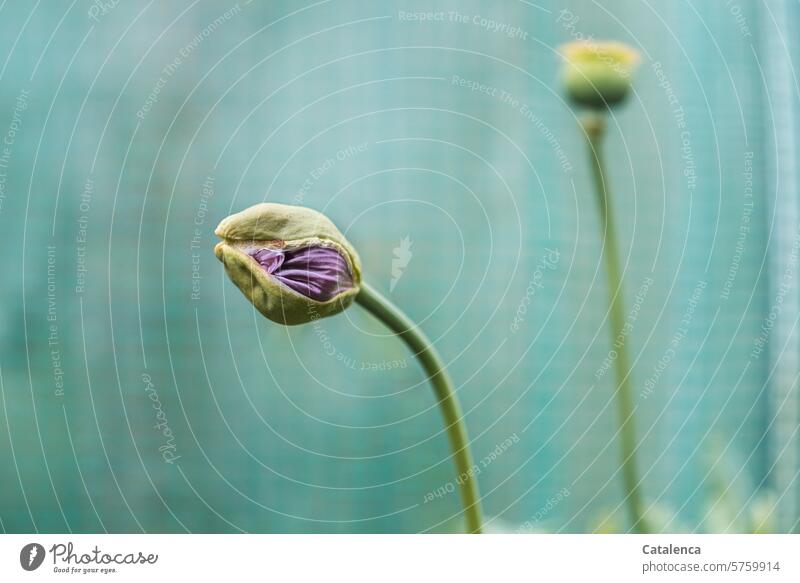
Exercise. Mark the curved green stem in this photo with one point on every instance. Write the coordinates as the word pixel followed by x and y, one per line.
pixel 409 332
pixel 594 126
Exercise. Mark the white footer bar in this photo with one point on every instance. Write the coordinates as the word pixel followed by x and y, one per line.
pixel 401 558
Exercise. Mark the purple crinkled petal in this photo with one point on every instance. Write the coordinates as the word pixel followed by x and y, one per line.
pixel 317 272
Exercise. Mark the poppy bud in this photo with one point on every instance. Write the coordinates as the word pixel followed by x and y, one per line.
pixel 597 74
pixel 291 262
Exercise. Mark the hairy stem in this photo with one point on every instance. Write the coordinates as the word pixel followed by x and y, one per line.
pixel 594 126
pixel 385 311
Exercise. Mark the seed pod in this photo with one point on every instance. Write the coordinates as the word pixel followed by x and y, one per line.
pixel 291 262
pixel 598 74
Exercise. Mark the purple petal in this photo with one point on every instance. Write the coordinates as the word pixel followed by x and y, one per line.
pixel 317 272
pixel 269 259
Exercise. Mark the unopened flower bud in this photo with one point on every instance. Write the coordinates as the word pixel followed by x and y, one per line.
pixel 598 74
pixel 291 262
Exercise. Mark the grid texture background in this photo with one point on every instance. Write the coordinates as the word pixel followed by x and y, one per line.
pixel 280 430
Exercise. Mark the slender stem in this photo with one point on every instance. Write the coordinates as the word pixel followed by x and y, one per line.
pixel 594 126
pixel 409 332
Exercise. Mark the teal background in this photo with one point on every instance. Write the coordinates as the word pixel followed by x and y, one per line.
pixel 280 430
